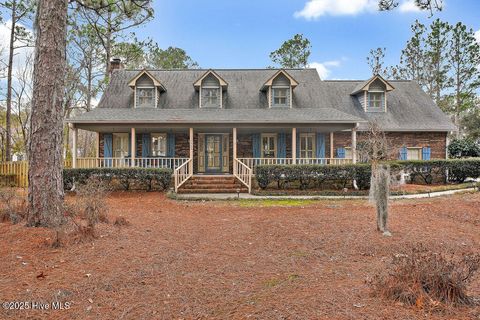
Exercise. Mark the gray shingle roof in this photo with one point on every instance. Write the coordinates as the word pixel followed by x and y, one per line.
pixel 151 115
pixel 409 108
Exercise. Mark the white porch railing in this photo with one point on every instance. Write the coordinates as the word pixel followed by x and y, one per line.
pixel 182 174
pixel 171 163
pixel 323 160
pixel 243 173
pixel 103 162
pixel 253 162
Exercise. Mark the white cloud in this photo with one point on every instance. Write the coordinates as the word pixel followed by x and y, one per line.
pixel 409 6
pixel 324 68
pixel 314 9
pixel 477 36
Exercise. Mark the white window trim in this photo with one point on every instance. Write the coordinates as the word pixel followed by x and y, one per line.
pixel 419 149
pixel 275 147
pixel 271 98
pixel 210 87
pixel 155 95
pixel 375 109
pixel 156 134
pixel 314 147
pixel 122 136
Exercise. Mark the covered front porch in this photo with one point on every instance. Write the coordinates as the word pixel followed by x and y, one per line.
pixel 217 150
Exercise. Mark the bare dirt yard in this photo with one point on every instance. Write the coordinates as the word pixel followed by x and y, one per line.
pixel 232 260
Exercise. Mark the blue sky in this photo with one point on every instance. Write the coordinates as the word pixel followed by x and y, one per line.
pixel 241 34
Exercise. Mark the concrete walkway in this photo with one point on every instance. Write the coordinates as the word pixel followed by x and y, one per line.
pixel 233 196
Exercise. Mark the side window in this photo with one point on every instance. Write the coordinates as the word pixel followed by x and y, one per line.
pixel 269 145
pixel 159 144
pixel 307 145
pixel 414 153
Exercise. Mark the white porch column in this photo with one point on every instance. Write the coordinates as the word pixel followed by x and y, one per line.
pixel 331 145
pixel 354 145
pixel 234 143
pixel 191 150
pixel 133 147
pixel 74 147
pixel 294 145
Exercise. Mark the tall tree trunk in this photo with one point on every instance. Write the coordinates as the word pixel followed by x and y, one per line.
pixel 8 115
pixel 108 46
pixel 45 174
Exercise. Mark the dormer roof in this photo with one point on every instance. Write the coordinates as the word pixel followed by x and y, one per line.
pixel 198 82
pixel 156 82
pixel 269 82
pixel 365 86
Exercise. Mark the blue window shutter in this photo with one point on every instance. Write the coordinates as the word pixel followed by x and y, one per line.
pixel 426 153
pixel 170 145
pixel 256 145
pixel 320 145
pixel 341 153
pixel 146 142
pixel 403 153
pixel 107 145
pixel 282 145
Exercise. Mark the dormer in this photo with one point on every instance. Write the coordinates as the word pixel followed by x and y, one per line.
pixel 279 90
pixel 372 94
pixel 147 90
pixel 210 87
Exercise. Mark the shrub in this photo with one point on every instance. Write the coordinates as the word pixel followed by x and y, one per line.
pixel 463 148
pixel 425 278
pixel 147 177
pixel 13 206
pixel 308 176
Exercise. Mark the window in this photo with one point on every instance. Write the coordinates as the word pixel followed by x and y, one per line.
pixel 145 97
pixel 307 145
pixel 414 153
pixel 120 145
pixel 280 97
pixel 159 144
pixel 375 100
pixel 210 97
pixel 269 146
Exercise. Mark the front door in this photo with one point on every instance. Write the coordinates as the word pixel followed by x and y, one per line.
pixel 213 153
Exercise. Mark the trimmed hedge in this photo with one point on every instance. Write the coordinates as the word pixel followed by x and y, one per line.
pixel 307 176
pixel 147 177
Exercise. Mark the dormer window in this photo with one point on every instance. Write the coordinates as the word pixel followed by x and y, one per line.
pixel 147 90
pixel 372 94
pixel 210 87
pixel 280 97
pixel 279 89
pixel 375 101
pixel 145 97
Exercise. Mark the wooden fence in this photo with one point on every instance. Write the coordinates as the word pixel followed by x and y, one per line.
pixel 15 173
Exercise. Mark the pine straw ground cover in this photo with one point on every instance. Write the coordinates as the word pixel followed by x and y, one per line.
pixel 190 260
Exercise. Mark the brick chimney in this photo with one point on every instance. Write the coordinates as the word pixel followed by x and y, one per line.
pixel 115 64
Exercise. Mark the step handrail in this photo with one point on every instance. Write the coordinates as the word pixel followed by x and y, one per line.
pixel 182 174
pixel 243 173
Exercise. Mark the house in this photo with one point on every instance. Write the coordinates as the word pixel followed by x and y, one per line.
pixel 225 122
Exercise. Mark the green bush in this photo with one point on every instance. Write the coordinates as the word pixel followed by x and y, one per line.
pixel 463 148
pixel 309 176
pixel 147 177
